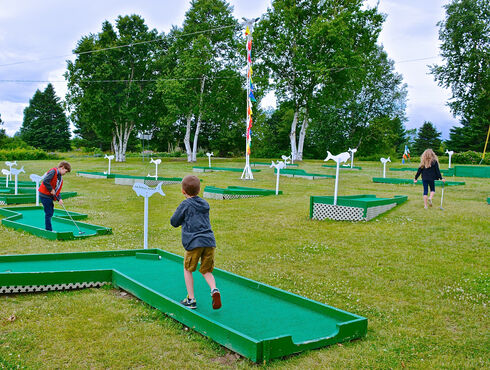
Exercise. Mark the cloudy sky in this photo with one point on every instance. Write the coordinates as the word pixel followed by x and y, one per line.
pixel 37 37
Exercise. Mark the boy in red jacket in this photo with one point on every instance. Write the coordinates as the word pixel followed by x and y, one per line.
pixel 50 190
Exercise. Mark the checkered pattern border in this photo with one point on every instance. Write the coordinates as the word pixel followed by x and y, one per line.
pixel 221 196
pixel 12 289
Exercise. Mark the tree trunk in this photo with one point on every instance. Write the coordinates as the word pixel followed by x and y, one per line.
pixel 120 140
pixel 292 135
pixel 198 125
pixel 302 135
pixel 187 138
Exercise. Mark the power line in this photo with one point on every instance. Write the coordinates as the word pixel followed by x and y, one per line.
pixel 113 47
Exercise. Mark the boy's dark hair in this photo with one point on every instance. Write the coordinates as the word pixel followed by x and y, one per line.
pixel 65 165
pixel 191 185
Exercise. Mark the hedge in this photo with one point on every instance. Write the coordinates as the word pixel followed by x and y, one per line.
pixel 22 154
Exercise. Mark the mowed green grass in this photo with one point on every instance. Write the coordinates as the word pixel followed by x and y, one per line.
pixel 421 277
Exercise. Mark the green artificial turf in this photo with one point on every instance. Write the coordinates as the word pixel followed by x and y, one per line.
pixel 421 277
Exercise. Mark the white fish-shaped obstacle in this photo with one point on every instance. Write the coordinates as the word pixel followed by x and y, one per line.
pixel 278 166
pixel 157 162
pixel 209 158
pixel 145 191
pixel 11 164
pixel 37 179
pixel 339 158
pixel 450 153
pixel 384 161
pixel 352 151
pixel 7 174
pixel 15 172
pixel 110 158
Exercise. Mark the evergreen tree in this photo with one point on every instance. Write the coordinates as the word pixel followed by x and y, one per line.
pixel 465 40
pixel 45 124
pixel 427 138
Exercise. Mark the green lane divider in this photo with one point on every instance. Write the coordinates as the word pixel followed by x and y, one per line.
pixel 131 179
pixel 95 175
pixel 346 167
pixel 257 321
pixel 31 220
pixel 253 164
pixel 448 172
pixel 217 169
pixel 472 171
pixel 302 174
pixel 27 195
pixel 20 184
pixel 388 180
pixel 363 207
pixel 234 192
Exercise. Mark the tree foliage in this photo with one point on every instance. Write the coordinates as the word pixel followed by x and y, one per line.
pixel 427 138
pixel 465 47
pixel 45 124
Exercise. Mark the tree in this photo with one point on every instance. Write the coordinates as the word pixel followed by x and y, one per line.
pixel 111 89
pixel 2 130
pixel 201 86
pixel 427 138
pixel 383 137
pixel 465 37
pixel 304 49
pixel 45 124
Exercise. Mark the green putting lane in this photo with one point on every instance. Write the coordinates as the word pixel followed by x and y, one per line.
pixel 256 320
pixel 31 219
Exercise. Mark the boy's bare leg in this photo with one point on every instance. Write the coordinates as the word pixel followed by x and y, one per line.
pixel 189 283
pixel 208 276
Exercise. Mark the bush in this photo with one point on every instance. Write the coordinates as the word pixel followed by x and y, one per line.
pixel 23 154
pixel 469 157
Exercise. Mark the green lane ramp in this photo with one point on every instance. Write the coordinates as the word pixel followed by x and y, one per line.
pixel 257 321
pixel 95 175
pixel 346 167
pixel 388 180
pixel 217 169
pixel 363 207
pixel 27 195
pixel 447 172
pixel 148 180
pixel 235 192
pixel 302 174
pixel 31 220
pixel 254 164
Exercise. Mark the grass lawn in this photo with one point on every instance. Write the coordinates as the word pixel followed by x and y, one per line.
pixel 421 277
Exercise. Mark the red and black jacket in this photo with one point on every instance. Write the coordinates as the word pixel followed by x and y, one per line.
pixel 52 180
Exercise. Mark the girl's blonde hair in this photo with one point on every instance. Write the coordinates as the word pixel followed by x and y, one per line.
pixel 427 158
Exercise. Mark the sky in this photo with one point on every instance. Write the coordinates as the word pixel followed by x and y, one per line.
pixel 37 38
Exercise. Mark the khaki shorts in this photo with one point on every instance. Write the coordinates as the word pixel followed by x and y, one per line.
pixel 205 254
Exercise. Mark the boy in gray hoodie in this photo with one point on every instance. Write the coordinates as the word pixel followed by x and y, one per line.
pixel 197 239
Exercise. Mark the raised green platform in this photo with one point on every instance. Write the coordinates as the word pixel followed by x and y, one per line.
pixel 95 175
pixel 389 180
pixel 31 219
pixel 346 167
pixel 148 180
pixel 217 169
pixel 472 171
pixel 303 174
pixel 234 192
pixel 447 172
pixel 257 321
pixel 254 164
pixel 363 207
pixel 27 195
pixel 20 184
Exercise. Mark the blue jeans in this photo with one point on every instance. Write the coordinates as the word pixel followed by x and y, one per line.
pixel 48 211
pixel 427 184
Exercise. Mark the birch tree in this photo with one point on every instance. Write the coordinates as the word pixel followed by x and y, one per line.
pixel 110 89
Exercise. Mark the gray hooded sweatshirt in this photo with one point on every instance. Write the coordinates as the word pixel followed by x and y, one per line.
pixel 193 215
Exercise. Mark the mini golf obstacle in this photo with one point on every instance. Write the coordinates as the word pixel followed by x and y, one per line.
pixel 448 172
pixel 256 164
pixel 352 207
pixel 343 167
pixel 235 192
pixel 218 169
pixel 302 174
pixel 25 196
pixel 31 220
pixel 147 180
pixel 387 180
pixel 472 171
pixel 257 321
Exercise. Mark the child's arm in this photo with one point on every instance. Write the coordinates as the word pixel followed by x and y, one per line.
pixel 419 171
pixel 178 216
pixel 438 172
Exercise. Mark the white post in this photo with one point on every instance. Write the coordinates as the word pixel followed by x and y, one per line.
pixel 278 166
pixel 384 160
pixel 16 174
pixel 450 153
pixel 109 157
pixel 342 157
pixel 37 179
pixel 335 192
pixel 11 164
pixel 145 191
pixel 7 174
pixel 352 151
pixel 209 158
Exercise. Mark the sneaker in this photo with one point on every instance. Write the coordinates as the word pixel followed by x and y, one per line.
pixel 425 207
pixel 216 298
pixel 430 202
pixel 190 303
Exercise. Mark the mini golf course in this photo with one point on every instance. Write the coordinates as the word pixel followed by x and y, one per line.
pixel 363 207
pixel 31 220
pixel 346 167
pixel 25 195
pixel 387 180
pixel 217 169
pixel 303 174
pixel 258 321
pixel 235 192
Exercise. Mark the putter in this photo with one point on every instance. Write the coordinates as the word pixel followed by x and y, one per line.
pixel 71 218
pixel 442 197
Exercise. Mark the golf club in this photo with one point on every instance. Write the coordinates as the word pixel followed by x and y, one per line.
pixel 79 231
pixel 442 196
